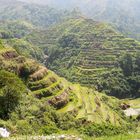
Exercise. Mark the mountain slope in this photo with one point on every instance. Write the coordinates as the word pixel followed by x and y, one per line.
pixel 123 14
pixel 13 33
pixel 86 51
pixel 45 88
pixel 15 29
pixel 18 19
pixel 42 16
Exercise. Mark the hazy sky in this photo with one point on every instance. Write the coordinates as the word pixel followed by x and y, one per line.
pixel 59 1
pixel 93 4
pixel 81 2
pixel 35 1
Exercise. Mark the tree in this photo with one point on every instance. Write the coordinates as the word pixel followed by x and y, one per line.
pixel 126 63
pixel 11 89
pixel 138 118
pixel 137 62
pixel 114 83
pixel 70 41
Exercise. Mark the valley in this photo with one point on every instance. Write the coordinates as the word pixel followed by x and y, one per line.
pixel 87 52
pixel 46 88
pixel 65 75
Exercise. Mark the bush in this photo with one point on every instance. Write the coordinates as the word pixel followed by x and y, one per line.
pixel 102 130
pixel 47 130
pixel 24 127
pixel 70 41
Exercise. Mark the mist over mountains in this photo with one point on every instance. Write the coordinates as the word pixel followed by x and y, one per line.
pixel 89 4
pixel 97 9
pixel 125 15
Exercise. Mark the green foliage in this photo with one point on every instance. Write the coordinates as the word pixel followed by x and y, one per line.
pixel 67 121
pixel 15 29
pixel 5 35
pixel 138 118
pixel 69 41
pixel 11 91
pixel 29 114
pixel 24 127
pixel 134 82
pixel 87 52
pixel 130 66
pixel 32 116
pixel 126 63
pixel 25 48
pixel 7 124
pixel 122 83
pixel 48 130
pixel 35 14
pixel 137 62
pixel 54 53
pixel 102 130
pixel 114 83
pixel 1 44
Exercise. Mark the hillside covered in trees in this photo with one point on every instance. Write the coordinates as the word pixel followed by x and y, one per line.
pixel 124 15
pixel 33 96
pixel 69 72
pixel 92 53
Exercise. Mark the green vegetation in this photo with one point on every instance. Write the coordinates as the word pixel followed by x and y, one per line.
pixel 45 103
pixel 13 32
pixel 9 93
pixel 93 54
pixel 38 15
pixel 102 130
pixel 96 59
pixel 15 29
pixel 121 137
pixel 25 48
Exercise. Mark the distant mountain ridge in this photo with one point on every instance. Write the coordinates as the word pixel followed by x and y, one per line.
pixel 38 15
pixel 125 15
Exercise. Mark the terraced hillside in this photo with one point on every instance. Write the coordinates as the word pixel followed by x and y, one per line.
pixel 40 81
pixel 83 50
pixel 13 33
pixel 45 86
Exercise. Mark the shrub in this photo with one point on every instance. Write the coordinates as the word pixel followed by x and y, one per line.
pixel 47 130
pixel 24 127
pixel 69 40
pixel 102 130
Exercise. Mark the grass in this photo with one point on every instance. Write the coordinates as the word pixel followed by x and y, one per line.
pixel 84 102
pixel 121 137
pixel 135 103
pixel 117 137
